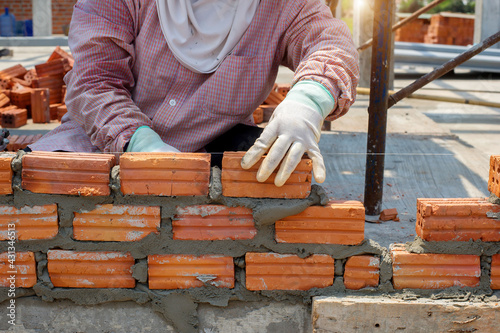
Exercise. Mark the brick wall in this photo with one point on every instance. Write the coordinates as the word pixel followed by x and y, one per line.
pixel 144 221
pixel 62 10
pixel 20 8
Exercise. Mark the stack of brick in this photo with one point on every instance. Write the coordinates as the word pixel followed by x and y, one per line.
pixel 452 220
pixel 413 32
pixel 37 93
pixel 451 29
pixel 167 221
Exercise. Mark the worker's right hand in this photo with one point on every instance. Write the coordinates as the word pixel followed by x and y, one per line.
pixel 147 140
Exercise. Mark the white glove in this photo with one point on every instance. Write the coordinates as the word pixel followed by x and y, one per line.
pixel 294 129
pixel 147 140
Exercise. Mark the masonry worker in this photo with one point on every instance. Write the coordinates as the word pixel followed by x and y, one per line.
pixel 179 75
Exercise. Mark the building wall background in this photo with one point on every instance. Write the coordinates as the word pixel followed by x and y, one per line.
pixel 62 10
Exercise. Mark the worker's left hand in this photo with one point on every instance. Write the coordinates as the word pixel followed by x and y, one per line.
pixel 294 129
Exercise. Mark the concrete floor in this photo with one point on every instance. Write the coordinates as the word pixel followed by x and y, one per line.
pixel 434 149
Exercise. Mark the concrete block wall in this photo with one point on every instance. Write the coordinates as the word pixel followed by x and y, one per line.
pixel 168 229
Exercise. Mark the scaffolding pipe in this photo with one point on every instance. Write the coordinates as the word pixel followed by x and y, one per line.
pixel 405 21
pixel 443 69
pixel 377 110
pixel 448 99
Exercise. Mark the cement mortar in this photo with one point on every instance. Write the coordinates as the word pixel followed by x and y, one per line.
pixel 477 248
pixel 494 199
pixel 179 307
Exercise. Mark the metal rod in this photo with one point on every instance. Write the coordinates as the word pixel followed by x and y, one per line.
pixel 443 69
pixel 379 93
pixel 459 100
pixel 404 22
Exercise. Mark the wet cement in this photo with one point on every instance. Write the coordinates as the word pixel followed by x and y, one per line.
pixel 178 307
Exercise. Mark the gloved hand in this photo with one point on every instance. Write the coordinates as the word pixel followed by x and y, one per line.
pixel 147 140
pixel 294 129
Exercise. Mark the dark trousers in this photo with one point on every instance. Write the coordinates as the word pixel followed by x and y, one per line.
pixel 239 138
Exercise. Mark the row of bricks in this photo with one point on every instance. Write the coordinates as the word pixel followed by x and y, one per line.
pixel 264 271
pixel 161 174
pixel 339 222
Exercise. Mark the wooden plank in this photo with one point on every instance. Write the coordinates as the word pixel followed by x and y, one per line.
pixel 363 314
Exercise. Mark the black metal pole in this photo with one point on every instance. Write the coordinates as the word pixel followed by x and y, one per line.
pixel 379 94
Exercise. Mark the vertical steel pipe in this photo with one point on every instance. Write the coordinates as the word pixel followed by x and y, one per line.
pixel 377 110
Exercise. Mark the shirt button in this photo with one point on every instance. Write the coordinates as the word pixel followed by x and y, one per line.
pixel 172 102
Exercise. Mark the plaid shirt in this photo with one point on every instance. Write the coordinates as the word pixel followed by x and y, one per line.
pixel 125 76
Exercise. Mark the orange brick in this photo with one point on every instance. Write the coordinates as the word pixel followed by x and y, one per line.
pixel 433 271
pixel 172 271
pixel 8 108
pixel 361 272
pixel 53 110
pixel 213 222
pixel 258 115
pixel 53 68
pixel 457 220
pixel 389 214
pixel 61 54
pixel 61 111
pixel 14 118
pixel 71 269
pixel 30 76
pixel 238 182
pixel 23 83
pixel 273 271
pixel 274 98
pixel 37 222
pixel 495 272
pixel 4 100
pixel 63 93
pixel 116 223
pixel 15 71
pixel 40 108
pixel 283 89
pixel 165 174
pixel 24 269
pixel 54 84
pixel 21 98
pixel 67 173
pixel 340 222
pixel 494 180
pixel 6 173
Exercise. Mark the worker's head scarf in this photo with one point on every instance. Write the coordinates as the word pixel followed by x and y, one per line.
pixel 201 33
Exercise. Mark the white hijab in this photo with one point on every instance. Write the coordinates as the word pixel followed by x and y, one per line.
pixel 201 33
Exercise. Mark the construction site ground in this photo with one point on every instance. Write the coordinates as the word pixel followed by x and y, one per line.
pixel 434 150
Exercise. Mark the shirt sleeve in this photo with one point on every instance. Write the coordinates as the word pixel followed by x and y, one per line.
pixel 99 86
pixel 319 47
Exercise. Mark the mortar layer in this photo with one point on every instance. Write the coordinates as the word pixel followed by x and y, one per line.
pixel 452 247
